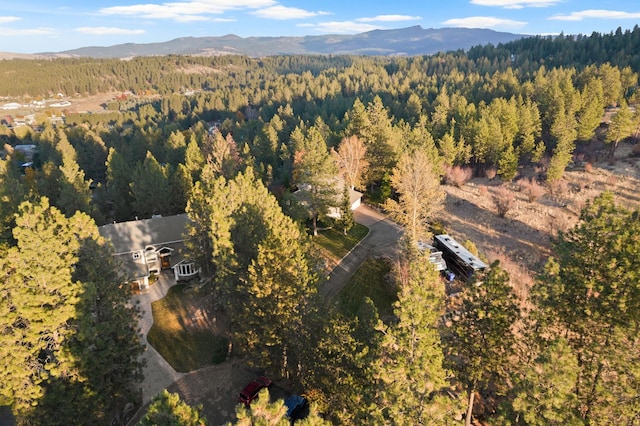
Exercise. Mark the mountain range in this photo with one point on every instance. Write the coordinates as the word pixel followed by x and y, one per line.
pixel 408 41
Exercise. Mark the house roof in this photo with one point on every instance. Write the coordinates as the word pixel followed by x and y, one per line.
pixel 135 235
pixel 354 195
pixel 131 269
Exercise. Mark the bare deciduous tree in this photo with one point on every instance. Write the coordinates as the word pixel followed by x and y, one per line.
pixel 350 160
pixel 420 195
pixel 504 200
pixel 532 189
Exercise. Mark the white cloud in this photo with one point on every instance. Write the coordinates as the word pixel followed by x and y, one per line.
pixel 516 4
pixel 598 14
pixel 284 12
pixel 342 27
pixel 7 19
pixel 484 22
pixel 40 31
pixel 389 18
pixel 184 11
pixel 108 31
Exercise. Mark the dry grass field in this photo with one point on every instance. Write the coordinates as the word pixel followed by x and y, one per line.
pixel 522 239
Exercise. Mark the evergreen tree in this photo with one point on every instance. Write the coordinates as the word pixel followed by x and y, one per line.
pixel 176 148
pixel 546 393
pixel 591 293
pixel 75 194
pixel 447 148
pixel 479 345
pixel 381 140
pixel 508 164
pixel 339 362
pixel 210 209
pixel 419 136
pixel 315 175
pixel 564 130
pixel 591 109
pixel 269 305
pixel 92 153
pixel 410 368
pixel 259 260
pixel 372 125
pixel 167 409
pixel 54 323
pixel 194 160
pixel 440 116
pixel 149 188
pixel 346 220
pixel 529 128
pixel 119 177
pixel 11 195
pixel 357 119
pixel 611 83
pixel 104 350
pixel 264 412
pixel 620 128
pixel 180 186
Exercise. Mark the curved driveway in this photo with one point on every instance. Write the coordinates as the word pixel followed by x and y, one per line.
pixel 382 240
pixel 158 374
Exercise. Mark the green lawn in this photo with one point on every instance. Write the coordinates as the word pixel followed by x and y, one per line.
pixel 336 243
pixel 175 335
pixel 369 281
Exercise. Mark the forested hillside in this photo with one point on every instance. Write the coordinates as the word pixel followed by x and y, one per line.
pixel 620 48
pixel 229 139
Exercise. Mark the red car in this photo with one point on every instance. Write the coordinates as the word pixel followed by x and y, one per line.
pixel 250 392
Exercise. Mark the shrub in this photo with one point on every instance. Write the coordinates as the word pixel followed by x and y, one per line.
pixel 483 190
pixel 558 187
pixel 520 278
pixel 588 167
pixel 532 189
pixel 612 180
pixel 504 200
pixel 471 246
pixel 437 228
pixel 458 176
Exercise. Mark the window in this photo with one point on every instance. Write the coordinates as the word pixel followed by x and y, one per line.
pixel 150 254
pixel 187 269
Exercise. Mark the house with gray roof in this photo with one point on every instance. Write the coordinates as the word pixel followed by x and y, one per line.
pixel 147 246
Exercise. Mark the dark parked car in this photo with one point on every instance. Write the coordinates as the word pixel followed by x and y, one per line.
pixel 296 405
pixel 250 392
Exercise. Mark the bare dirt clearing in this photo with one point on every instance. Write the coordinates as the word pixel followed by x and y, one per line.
pixel 524 235
pixel 92 103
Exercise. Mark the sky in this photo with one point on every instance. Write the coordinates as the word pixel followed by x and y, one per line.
pixel 34 26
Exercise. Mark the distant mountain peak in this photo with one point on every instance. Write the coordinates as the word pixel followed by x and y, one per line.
pixel 413 40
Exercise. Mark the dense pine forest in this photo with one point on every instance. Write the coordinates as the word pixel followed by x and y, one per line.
pixel 229 139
